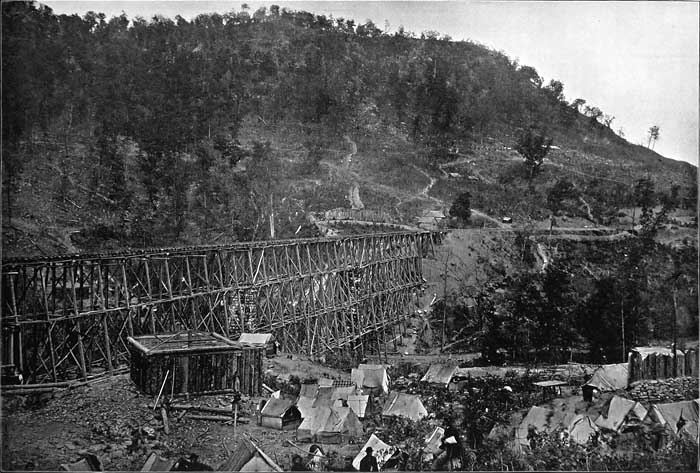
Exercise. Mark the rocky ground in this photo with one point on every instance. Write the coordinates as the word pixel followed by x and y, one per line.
pixel 105 419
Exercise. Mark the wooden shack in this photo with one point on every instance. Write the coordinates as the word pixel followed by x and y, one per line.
pixel 657 363
pixel 194 363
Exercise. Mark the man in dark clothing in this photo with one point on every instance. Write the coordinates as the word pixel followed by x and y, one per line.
pixel 451 446
pixel 369 462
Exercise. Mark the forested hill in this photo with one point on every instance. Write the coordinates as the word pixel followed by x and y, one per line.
pixel 140 132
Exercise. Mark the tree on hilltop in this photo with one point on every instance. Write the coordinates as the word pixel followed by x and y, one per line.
pixel 653 136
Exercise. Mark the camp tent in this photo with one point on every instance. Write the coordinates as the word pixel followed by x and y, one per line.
pixel 314 419
pixel 582 428
pixel 440 373
pixel 382 452
pixel 372 377
pixel 680 418
pixel 280 414
pixel 309 390
pixel 247 456
pixel 329 425
pixel 342 424
pixel 544 420
pixel 404 405
pixel 324 397
pixel 359 403
pixel 607 378
pixel 305 404
pixel 621 412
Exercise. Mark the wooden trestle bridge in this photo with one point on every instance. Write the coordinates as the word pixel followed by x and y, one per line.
pixel 67 317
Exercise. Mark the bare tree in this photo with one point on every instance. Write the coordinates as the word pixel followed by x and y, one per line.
pixel 653 136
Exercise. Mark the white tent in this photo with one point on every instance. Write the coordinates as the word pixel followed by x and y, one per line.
pixel 382 452
pixel 621 411
pixel 609 377
pixel 373 377
pixel 305 404
pixel 405 405
pixel 681 418
pixel 440 373
pixel 358 403
pixel 581 428
pixel 329 425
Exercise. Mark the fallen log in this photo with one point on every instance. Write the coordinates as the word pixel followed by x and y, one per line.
pixel 24 392
pixel 215 418
pixel 191 407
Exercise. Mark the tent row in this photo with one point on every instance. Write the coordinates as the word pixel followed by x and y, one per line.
pixel 622 415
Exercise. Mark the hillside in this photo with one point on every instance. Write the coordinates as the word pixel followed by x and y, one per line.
pixel 130 132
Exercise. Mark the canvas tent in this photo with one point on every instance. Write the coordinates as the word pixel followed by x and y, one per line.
pixel 280 414
pixel 341 425
pixel 247 456
pixel 404 405
pixel 329 425
pixel 543 420
pixel 609 377
pixel 372 377
pixel 305 405
pixel 382 452
pixel 582 428
pixel 440 373
pixel 309 390
pixel 621 412
pixel 359 403
pixel 680 418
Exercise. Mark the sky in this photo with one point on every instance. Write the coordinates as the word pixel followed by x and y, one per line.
pixel 635 60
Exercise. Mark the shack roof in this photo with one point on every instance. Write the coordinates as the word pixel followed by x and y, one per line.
pixel 646 351
pixel 255 338
pixel 610 377
pixel 277 407
pixel 182 342
pixel 440 373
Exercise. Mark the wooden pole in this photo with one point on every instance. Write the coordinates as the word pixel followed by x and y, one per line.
pixel 81 348
pixel 622 320
pixel 675 332
pixel 49 326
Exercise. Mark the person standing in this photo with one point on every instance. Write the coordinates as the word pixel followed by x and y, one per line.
pixel 369 462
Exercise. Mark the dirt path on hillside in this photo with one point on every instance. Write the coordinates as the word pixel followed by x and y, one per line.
pixel 481 214
pixel 354 191
pixel 425 191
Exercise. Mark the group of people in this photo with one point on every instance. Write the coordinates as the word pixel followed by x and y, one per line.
pixel 449 459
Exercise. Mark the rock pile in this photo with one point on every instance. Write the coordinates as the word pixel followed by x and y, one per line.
pixel 664 390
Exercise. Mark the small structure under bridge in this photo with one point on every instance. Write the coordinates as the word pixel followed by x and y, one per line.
pixel 69 316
